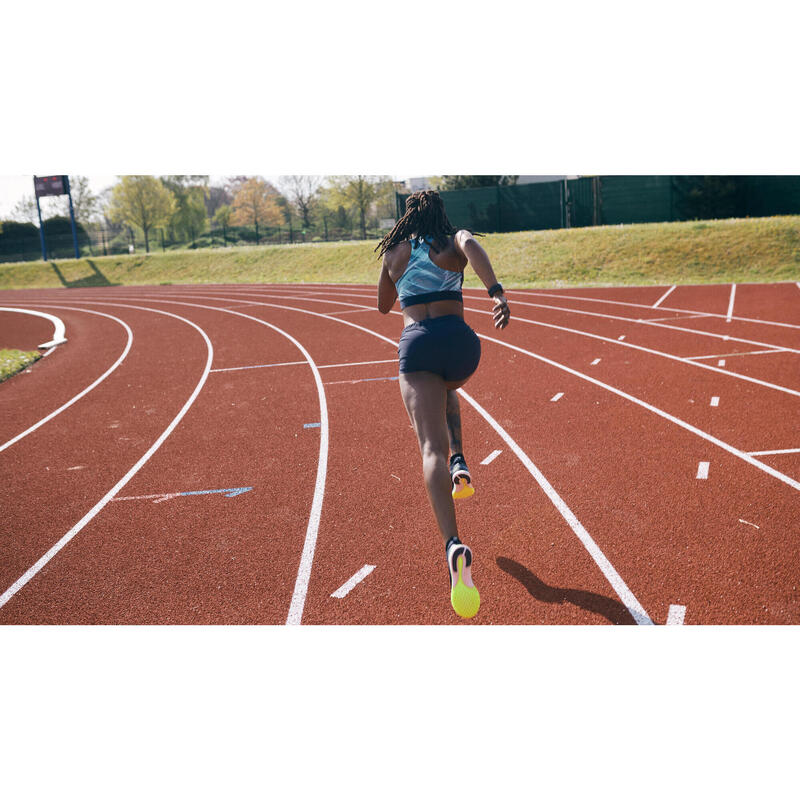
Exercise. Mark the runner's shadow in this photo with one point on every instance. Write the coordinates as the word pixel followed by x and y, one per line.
pixel 95 279
pixel 614 611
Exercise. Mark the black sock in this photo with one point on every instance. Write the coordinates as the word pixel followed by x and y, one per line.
pixel 451 540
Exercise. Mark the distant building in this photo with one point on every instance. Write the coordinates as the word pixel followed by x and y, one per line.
pixel 417 184
pixel 541 178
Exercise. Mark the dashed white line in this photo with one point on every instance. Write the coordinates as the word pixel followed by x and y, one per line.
pixel 621 338
pixel 676 615
pixel 748 353
pixel 556 397
pixel 714 401
pixel 595 362
pixel 750 523
pixel 730 304
pixel 349 585
pixel 702 470
pixel 721 362
pixel 663 297
pixel 491 457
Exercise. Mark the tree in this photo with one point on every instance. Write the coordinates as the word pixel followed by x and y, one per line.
pixel 223 217
pixel 189 217
pixel 216 197
pixel 450 182
pixel 254 201
pixel 302 191
pixel 25 210
pixel 144 201
pixel 85 204
pixel 353 192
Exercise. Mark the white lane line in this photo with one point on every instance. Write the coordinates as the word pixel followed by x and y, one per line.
pixel 89 388
pixel 312 530
pixel 359 363
pixel 621 338
pixel 750 523
pixel 714 401
pixel 47 352
pixel 596 361
pixel 491 457
pixel 59 335
pixel 257 366
pixel 673 318
pixel 623 592
pixel 353 311
pixel 98 507
pixel 675 420
pixel 702 470
pixel 349 585
pixel 676 615
pixel 730 304
pixel 556 397
pixel 663 297
pixel 721 362
pixel 749 353
pixel 773 452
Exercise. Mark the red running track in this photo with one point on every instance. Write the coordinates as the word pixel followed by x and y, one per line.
pixel 648 466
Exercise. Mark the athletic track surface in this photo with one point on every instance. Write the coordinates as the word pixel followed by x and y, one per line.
pixel 635 453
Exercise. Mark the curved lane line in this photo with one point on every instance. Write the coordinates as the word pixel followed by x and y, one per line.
pixel 60 329
pixel 89 387
pixel 617 583
pixel 677 421
pixel 98 507
pixel 309 545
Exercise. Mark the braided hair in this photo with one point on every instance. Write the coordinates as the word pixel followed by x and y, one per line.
pixel 425 216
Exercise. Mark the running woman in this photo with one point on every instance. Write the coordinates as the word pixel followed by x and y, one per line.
pixel 424 258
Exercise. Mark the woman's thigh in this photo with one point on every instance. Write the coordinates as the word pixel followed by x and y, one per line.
pixel 425 398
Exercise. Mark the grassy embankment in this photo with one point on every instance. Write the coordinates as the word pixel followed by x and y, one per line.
pixel 740 250
pixel 14 361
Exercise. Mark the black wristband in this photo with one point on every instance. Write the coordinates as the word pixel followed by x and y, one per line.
pixel 496 289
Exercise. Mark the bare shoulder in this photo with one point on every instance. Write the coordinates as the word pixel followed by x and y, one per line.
pixel 396 259
pixel 462 237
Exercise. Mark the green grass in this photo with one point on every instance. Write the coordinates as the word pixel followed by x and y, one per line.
pixel 712 251
pixel 14 361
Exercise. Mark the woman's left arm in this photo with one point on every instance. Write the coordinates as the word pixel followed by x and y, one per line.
pixel 387 291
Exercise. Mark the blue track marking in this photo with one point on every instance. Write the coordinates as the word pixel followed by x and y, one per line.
pixel 226 492
pixel 312 425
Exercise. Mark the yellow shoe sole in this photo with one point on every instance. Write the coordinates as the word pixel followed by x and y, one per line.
pixel 464 596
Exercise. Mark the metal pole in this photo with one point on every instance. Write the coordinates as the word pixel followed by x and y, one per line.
pixel 41 224
pixel 72 218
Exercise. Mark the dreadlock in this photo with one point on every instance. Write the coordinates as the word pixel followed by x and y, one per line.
pixel 425 216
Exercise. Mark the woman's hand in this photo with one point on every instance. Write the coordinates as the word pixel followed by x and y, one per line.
pixel 501 312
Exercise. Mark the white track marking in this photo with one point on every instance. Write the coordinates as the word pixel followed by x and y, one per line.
pixel 89 388
pixel 312 530
pixel 663 297
pixel 491 457
pixel 257 366
pixel 98 507
pixel 621 338
pixel 673 318
pixel 59 335
pixel 360 363
pixel 676 615
pixel 595 362
pixel 748 353
pixel 556 397
pixel 730 304
pixel 623 592
pixel 353 311
pixel 714 401
pixel 346 587
pixel 750 523
pixel 773 452
pixel 721 362
pixel 702 470
pixel 691 428
pixel 47 353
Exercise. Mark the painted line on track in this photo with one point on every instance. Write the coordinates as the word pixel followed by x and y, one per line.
pixel 663 297
pixel 491 457
pixel 714 401
pixel 730 304
pixel 98 507
pixel 59 334
pixel 623 592
pixel 774 452
pixel 595 362
pixel 349 585
pixel 363 380
pixel 721 362
pixel 673 318
pixel 748 353
pixel 702 470
pixel 89 388
pixel 296 363
pixel 556 397
pixel 676 615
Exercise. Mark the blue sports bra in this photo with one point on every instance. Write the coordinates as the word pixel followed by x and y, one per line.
pixel 423 281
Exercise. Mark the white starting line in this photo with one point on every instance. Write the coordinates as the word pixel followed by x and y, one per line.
pixel 730 304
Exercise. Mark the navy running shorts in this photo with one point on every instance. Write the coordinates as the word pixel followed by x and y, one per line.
pixel 444 345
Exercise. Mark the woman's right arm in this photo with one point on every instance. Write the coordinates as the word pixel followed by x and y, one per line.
pixel 479 259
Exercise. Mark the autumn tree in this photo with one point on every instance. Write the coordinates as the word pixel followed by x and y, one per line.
pixel 254 201
pixel 144 201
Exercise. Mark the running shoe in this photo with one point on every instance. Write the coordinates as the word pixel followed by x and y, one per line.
pixel 464 596
pixel 459 474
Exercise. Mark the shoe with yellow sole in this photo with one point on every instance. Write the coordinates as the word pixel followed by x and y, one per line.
pixel 464 596
pixel 459 474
